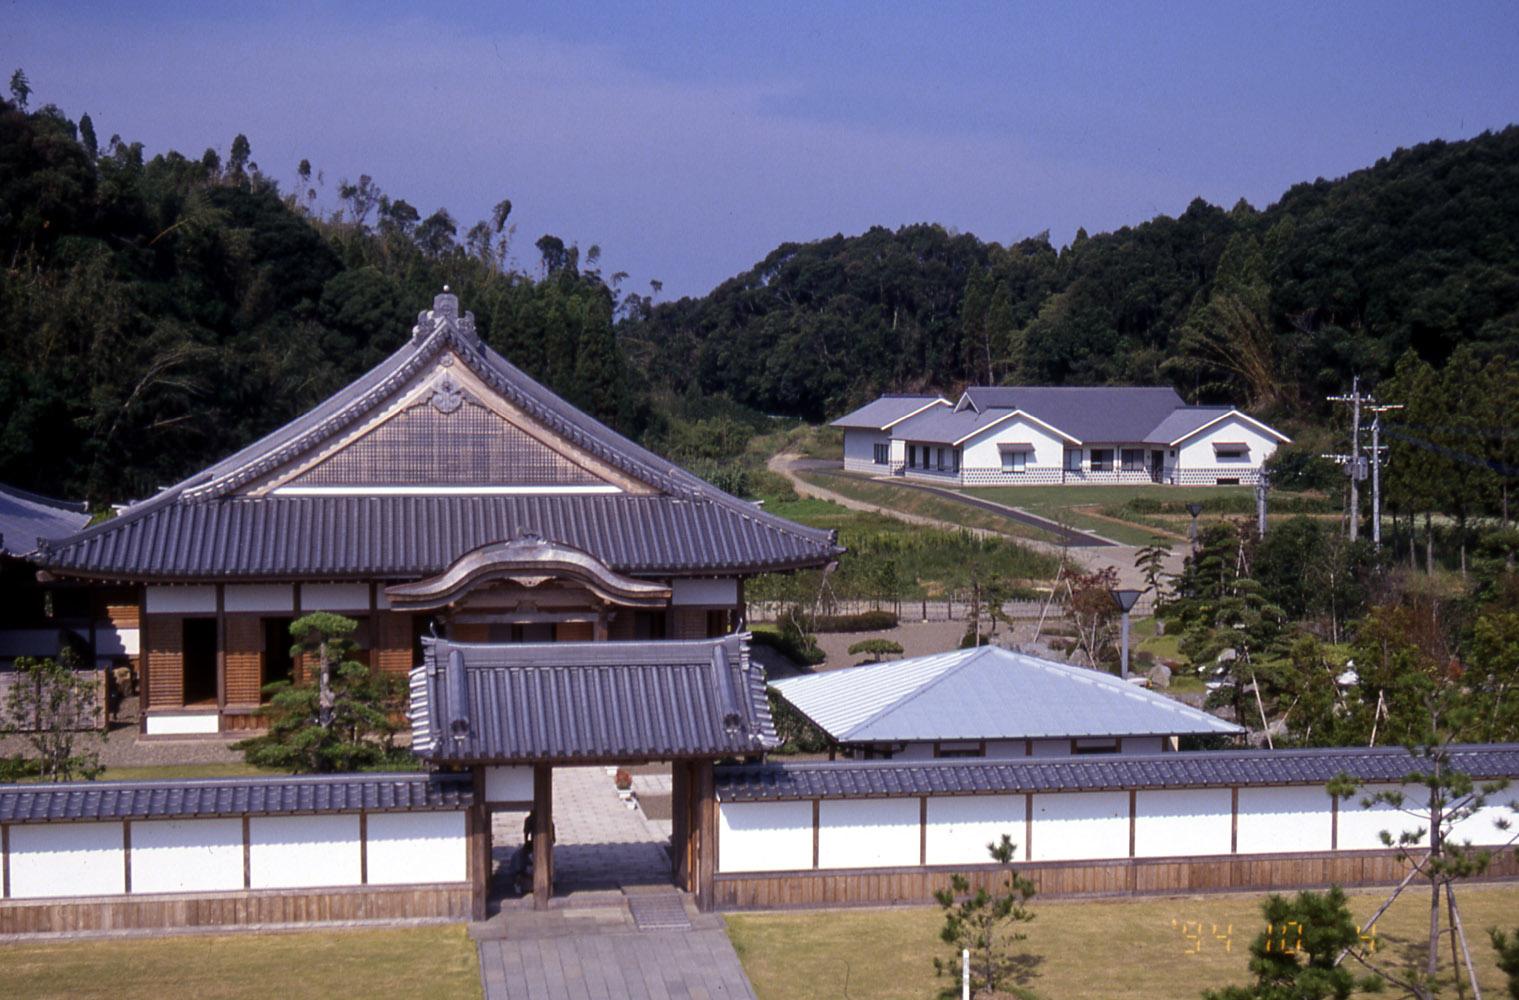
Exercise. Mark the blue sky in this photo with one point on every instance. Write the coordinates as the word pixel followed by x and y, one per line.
pixel 690 140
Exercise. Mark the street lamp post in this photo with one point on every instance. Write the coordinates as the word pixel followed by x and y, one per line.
pixel 1194 509
pixel 1125 599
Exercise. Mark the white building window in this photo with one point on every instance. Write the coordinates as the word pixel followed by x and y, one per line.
pixel 1133 459
pixel 1102 459
pixel 1231 452
pixel 1014 460
pixel 882 454
pixel 1073 460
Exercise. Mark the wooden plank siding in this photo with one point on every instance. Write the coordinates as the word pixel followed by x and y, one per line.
pixel 244 659
pixel 1066 879
pixel 164 645
pixel 393 647
pixel 260 907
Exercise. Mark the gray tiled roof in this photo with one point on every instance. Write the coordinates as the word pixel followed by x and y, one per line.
pixel 201 528
pixel 210 797
pixel 868 779
pixel 589 701
pixel 986 693
pixel 881 413
pixel 397 537
pixel 27 517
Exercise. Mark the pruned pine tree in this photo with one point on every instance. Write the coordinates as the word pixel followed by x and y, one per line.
pixel 986 924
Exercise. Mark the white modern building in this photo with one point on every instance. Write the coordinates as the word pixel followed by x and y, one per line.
pixel 1041 435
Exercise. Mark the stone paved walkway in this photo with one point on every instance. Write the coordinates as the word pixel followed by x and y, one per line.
pixel 601 843
pixel 698 964
pixel 588 946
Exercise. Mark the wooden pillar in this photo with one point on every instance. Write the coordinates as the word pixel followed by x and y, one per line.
pixel 221 647
pixel 543 835
pixel 706 842
pixel 478 834
pixel 680 823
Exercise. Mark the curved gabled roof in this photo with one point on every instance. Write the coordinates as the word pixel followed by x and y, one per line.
pixel 26 520
pixel 216 524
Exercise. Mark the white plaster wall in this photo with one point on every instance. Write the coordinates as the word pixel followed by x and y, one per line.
pixel 293 851
pixel 196 600
pixel 1144 744
pixel 1479 828
pixel 191 855
pixel 334 597
pixel 509 784
pixel 1071 826
pixel 67 859
pixel 1196 453
pixel 868 833
pixel 764 836
pixel 960 827
pixel 859 445
pixel 416 847
pixel 915 751
pixel 197 723
pixel 113 641
pixel 1358 827
pixel 1182 822
pixel 1052 748
pixel 269 597
pixel 982 451
pixel 1273 820
pixel 722 593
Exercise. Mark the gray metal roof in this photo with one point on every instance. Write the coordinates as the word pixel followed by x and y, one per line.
pixel 882 413
pixel 26 517
pixel 942 425
pixel 1093 414
pixel 872 779
pixel 203 528
pixel 1190 419
pixel 589 701
pixel 986 693
pixel 210 797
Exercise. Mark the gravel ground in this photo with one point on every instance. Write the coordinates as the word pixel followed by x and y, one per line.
pixel 123 749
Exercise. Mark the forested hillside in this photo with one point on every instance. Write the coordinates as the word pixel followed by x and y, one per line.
pixel 1268 308
pixel 159 310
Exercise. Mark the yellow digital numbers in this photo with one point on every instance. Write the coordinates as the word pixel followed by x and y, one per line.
pixel 1285 938
pixel 1192 932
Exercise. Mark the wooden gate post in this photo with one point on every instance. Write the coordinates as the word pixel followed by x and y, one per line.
pixel 543 835
pixel 706 833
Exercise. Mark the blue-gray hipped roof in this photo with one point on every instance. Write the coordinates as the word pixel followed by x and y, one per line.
pixel 27 519
pixel 880 414
pixel 1108 772
pixel 602 701
pixel 204 798
pixel 1088 414
pixel 987 693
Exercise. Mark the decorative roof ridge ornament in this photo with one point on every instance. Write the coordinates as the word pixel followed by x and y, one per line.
pixel 444 315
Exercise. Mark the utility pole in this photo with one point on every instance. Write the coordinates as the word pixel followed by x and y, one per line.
pixel 1262 484
pixel 1376 470
pixel 1355 465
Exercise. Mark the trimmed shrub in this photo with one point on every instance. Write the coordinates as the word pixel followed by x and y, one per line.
pixel 865 621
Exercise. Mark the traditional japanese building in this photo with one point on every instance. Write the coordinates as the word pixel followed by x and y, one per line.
pixel 444 492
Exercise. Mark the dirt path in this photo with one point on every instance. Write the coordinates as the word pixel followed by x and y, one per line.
pixel 1090 558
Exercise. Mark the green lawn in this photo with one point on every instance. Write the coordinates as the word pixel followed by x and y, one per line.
pixel 1061 503
pixel 911 501
pixel 1146 949
pixel 315 964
